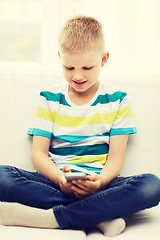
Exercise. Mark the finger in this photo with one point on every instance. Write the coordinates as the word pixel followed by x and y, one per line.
pixel 93 177
pixel 79 191
pixel 65 183
pixel 82 185
pixel 89 186
pixel 78 195
pixel 66 168
pixel 68 188
pixel 86 184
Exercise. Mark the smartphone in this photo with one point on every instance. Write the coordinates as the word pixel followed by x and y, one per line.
pixel 75 175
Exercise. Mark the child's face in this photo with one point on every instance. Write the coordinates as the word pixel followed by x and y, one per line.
pixel 81 70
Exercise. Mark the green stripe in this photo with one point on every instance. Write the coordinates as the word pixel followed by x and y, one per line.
pixel 39 132
pixel 119 131
pixel 97 149
pixel 103 99
pixel 83 166
pixel 73 139
pixel 55 97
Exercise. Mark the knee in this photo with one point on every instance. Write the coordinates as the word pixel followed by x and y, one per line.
pixel 151 187
pixel 4 169
pixel 5 180
pixel 4 175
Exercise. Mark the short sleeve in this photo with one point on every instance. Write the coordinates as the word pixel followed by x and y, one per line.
pixel 42 124
pixel 124 122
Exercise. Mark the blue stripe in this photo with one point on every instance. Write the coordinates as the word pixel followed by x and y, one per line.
pixel 39 132
pixel 119 131
pixel 73 139
pixel 87 167
pixel 97 149
pixel 103 99
pixel 92 170
pixel 83 166
pixel 55 97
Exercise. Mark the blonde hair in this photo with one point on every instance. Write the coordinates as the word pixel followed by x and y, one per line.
pixel 80 34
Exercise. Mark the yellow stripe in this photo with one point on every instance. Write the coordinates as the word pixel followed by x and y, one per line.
pixel 96 118
pixel 73 122
pixel 124 112
pixel 90 159
pixel 44 113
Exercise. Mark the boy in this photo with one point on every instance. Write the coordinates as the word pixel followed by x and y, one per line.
pixel 82 127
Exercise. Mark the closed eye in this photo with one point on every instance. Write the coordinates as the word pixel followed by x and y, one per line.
pixel 87 68
pixel 69 68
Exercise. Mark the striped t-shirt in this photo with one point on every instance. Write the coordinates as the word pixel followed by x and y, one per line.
pixel 80 134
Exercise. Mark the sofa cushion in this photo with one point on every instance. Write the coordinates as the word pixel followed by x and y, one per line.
pixel 22 233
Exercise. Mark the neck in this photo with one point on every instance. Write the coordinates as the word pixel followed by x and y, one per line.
pixel 81 98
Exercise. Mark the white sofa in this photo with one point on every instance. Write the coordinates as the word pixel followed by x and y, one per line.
pixel 18 99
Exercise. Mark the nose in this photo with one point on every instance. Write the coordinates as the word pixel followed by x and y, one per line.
pixel 78 76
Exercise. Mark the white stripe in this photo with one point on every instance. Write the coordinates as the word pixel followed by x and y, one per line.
pixel 65 160
pixel 99 108
pixel 74 167
pixel 43 103
pixel 126 122
pixel 42 124
pixel 83 130
pixel 61 159
pixel 57 143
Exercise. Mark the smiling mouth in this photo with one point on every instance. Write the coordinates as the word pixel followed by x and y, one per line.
pixel 79 83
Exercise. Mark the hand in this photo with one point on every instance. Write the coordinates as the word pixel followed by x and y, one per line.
pixel 83 188
pixel 66 186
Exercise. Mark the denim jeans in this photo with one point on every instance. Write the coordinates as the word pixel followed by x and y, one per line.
pixel 122 197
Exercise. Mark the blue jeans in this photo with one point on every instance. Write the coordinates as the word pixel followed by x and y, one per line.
pixel 122 197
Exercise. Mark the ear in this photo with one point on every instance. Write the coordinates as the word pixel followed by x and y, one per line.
pixel 104 58
pixel 59 55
